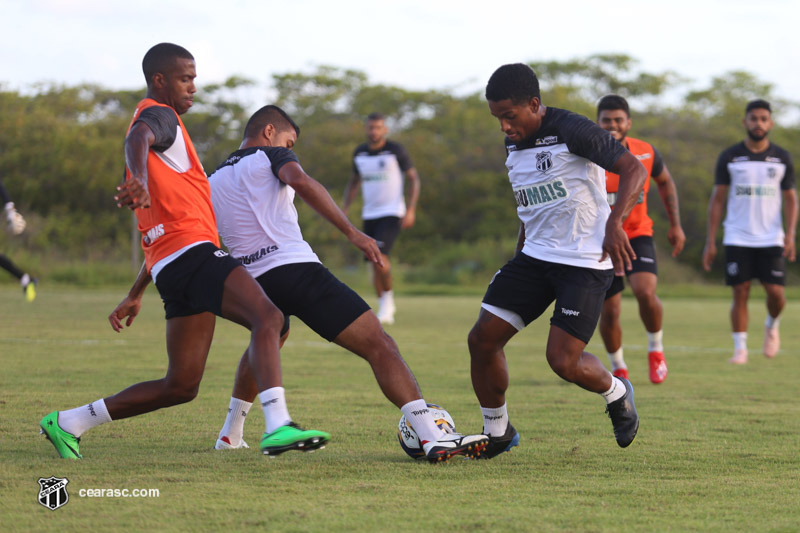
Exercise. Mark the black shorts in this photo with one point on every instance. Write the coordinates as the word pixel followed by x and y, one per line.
pixel 645 261
pixel 384 230
pixel 527 286
pixel 193 283
pixel 744 263
pixel 314 295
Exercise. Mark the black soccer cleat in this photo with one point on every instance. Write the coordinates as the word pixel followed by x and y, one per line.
pixel 623 416
pixel 503 443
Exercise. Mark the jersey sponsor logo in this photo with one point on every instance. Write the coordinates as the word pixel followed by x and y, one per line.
pixel 770 159
pixel 546 141
pixel 569 312
pixel 257 255
pixel 612 198
pixel 759 191
pixel 544 161
pixel 540 194
pixel 153 234
pixel 376 176
pixel 643 156
pixel 740 158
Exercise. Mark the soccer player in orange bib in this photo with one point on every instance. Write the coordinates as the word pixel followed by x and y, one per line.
pixel 613 115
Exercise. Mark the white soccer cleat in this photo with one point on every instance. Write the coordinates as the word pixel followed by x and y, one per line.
pixel 739 357
pixel 451 444
pixel 225 444
pixel 772 342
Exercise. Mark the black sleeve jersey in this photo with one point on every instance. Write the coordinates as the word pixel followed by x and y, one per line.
pixel 391 148
pixel 583 137
pixel 277 155
pixel 739 153
pixel 163 122
pixel 658 163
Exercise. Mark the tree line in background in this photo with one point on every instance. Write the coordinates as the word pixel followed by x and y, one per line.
pixel 61 156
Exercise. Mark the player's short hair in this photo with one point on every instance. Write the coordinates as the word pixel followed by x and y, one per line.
pixel 375 116
pixel 613 102
pixel 269 114
pixel 517 82
pixel 757 104
pixel 160 58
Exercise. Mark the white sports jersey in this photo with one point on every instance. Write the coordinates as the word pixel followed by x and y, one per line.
pixel 256 217
pixel 561 190
pixel 382 179
pixel 755 198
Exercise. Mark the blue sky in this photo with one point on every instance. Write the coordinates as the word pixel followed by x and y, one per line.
pixel 416 44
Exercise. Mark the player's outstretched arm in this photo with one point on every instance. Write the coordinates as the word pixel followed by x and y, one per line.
pixel 316 195
pixel 716 207
pixel 669 196
pixel 133 193
pixel 351 190
pixel 413 197
pixel 790 219
pixel 130 306
pixel 616 245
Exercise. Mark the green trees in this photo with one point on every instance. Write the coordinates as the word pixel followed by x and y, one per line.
pixel 61 155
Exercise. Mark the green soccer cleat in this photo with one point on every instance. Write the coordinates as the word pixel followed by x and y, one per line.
pixel 293 437
pixel 66 444
pixel 30 290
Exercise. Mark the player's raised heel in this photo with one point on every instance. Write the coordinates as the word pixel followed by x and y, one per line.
pixel 66 444
pixel 623 416
pixel 503 443
pixel 470 446
pixel 293 437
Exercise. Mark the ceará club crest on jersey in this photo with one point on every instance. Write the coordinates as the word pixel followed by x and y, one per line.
pixel 544 161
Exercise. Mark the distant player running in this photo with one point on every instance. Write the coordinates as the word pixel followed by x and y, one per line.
pixel 16 225
pixel 168 190
pixel 555 165
pixel 613 115
pixel 378 167
pixel 755 178
pixel 253 196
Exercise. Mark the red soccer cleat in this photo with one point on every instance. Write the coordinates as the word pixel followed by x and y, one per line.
pixel 658 366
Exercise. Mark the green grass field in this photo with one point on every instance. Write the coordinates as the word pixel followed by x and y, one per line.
pixel 717 448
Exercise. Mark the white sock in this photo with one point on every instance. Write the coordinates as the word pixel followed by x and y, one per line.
pixel 495 420
pixel 78 420
pixel 419 416
pixel 616 359
pixel 772 321
pixel 616 391
pixel 654 341
pixel 387 298
pixel 273 401
pixel 739 340
pixel 234 422
pixel 24 280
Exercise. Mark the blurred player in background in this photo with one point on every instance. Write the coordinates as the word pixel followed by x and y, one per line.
pixel 613 115
pixel 753 183
pixel 567 235
pixel 168 190
pixel 16 225
pixel 378 167
pixel 253 196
